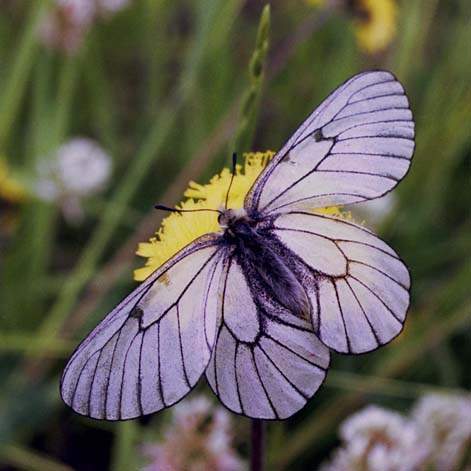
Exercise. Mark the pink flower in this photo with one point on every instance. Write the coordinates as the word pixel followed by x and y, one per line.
pixel 377 439
pixel 68 21
pixel 198 439
pixel 446 419
pixel 65 25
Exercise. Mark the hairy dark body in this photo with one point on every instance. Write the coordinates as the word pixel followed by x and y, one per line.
pixel 255 249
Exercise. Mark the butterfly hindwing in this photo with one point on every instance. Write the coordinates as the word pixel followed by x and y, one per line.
pixel 355 146
pixel 359 288
pixel 263 365
pixel 152 348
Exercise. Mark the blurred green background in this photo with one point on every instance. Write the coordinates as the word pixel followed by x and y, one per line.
pixel 168 89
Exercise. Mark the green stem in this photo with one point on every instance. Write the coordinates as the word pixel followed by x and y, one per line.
pixel 15 85
pixel 386 386
pixel 99 88
pixel 24 459
pixel 65 95
pixel 123 455
pixel 44 216
pixel 19 342
pixel 244 134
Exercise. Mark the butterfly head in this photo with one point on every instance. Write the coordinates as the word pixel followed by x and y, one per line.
pixel 235 222
pixel 228 217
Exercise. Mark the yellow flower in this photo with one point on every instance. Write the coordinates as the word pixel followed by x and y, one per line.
pixel 11 189
pixel 179 229
pixel 375 26
pixel 374 21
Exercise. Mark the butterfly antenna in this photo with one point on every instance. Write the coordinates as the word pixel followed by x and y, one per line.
pixel 161 207
pixel 234 162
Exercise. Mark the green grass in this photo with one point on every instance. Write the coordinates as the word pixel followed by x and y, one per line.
pixel 170 90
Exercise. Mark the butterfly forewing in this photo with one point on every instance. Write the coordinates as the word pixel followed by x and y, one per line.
pixel 152 348
pixel 263 365
pixel 359 300
pixel 355 146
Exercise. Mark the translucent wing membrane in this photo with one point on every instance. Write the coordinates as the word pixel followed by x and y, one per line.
pixel 355 146
pixel 266 363
pixel 357 285
pixel 152 348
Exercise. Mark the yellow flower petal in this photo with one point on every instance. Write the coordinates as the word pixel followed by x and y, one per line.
pixel 179 229
pixel 376 27
pixel 11 189
pixel 141 274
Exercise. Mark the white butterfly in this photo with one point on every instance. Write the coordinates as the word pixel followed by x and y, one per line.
pixel 258 306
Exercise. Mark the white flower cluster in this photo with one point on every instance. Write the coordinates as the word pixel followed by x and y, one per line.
pixel 198 439
pixel 78 168
pixel 67 22
pixel 447 419
pixel 434 438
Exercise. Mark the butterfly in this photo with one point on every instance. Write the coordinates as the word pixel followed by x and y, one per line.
pixel 258 306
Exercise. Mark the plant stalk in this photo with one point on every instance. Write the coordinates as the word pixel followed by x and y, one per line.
pixel 257 439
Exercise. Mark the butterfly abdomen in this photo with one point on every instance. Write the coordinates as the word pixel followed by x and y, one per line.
pixel 255 254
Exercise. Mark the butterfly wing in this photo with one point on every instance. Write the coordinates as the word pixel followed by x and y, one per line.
pixel 150 351
pixel 357 285
pixel 266 362
pixel 355 146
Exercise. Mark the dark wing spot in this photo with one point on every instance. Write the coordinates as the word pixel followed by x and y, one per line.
pixel 286 158
pixel 137 312
pixel 317 135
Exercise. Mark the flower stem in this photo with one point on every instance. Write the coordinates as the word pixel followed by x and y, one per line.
pixel 257 445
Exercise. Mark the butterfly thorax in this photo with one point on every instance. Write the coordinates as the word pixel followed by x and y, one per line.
pixel 249 238
pixel 230 219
